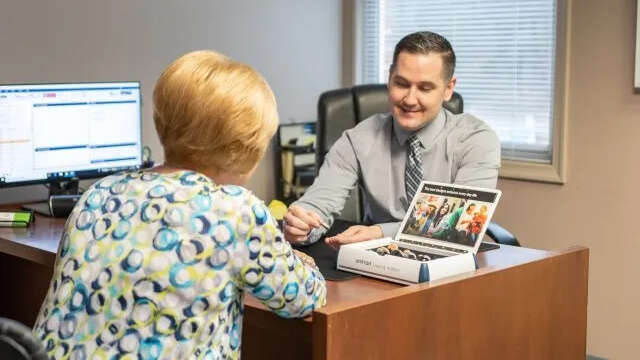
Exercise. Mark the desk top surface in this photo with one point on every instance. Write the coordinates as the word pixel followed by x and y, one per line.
pixel 362 289
pixel 39 243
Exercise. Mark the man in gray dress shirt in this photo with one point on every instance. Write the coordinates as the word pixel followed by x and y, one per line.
pixel 458 149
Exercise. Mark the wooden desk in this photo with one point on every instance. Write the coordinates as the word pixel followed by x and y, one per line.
pixel 26 267
pixel 38 243
pixel 521 304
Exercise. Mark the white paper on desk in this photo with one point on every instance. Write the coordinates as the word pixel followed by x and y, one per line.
pixel 451 265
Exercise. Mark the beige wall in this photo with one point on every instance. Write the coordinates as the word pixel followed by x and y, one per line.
pixel 599 206
pixel 295 44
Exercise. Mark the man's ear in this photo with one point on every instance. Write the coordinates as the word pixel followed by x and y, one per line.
pixel 448 90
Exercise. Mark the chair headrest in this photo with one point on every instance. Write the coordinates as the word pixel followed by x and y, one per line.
pixel 370 99
pixel 455 105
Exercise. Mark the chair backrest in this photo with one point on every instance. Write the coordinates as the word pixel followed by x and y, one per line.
pixel 335 115
pixel 17 342
pixel 369 100
pixel 342 109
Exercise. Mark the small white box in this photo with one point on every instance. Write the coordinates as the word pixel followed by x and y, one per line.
pixel 438 237
pixel 359 258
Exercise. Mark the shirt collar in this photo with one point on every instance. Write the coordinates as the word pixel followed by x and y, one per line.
pixel 426 134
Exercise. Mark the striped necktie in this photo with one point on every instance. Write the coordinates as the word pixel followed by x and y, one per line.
pixel 413 170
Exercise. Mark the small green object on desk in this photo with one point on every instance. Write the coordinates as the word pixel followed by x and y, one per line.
pixel 16 218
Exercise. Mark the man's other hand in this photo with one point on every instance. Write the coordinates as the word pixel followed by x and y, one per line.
pixel 354 234
pixel 298 222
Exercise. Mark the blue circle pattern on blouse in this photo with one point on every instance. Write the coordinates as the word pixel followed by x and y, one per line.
pixel 154 266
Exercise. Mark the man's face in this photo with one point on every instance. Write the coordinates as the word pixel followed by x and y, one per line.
pixel 470 209
pixel 417 89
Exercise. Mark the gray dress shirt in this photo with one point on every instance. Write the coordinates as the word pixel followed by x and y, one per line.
pixel 458 149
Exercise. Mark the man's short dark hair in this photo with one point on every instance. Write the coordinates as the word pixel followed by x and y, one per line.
pixel 470 206
pixel 427 42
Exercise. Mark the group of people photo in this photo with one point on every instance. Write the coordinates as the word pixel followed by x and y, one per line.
pixel 447 218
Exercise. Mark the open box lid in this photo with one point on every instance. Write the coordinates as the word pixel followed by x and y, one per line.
pixel 447 217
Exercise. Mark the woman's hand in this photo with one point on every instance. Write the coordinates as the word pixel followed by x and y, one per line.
pixel 306 259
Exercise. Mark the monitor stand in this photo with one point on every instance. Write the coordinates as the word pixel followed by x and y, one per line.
pixel 41 208
pixel 62 197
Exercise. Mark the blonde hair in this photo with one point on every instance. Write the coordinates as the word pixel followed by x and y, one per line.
pixel 214 113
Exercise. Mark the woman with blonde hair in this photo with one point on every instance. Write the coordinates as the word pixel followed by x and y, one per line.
pixel 155 263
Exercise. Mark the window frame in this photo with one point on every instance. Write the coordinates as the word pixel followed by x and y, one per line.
pixel 554 172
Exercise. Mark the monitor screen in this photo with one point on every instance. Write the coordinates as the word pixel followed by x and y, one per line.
pixel 57 132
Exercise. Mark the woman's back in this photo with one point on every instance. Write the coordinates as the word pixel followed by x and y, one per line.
pixel 155 265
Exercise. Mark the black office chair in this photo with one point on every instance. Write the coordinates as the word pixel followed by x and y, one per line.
pixel 501 235
pixel 17 342
pixel 342 109
pixel 336 113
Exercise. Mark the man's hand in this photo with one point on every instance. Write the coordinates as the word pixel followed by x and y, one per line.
pixel 354 234
pixel 298 222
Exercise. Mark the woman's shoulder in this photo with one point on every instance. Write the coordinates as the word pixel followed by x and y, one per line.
pixel 157 185
pixel 242 201
pixel 134 183
pixel 167 200
pixel 147 187
pixel 187 188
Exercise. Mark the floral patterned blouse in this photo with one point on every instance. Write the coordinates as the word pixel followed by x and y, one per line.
pixel 155 266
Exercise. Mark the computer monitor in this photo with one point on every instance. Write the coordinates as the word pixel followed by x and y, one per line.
pixel 58 133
